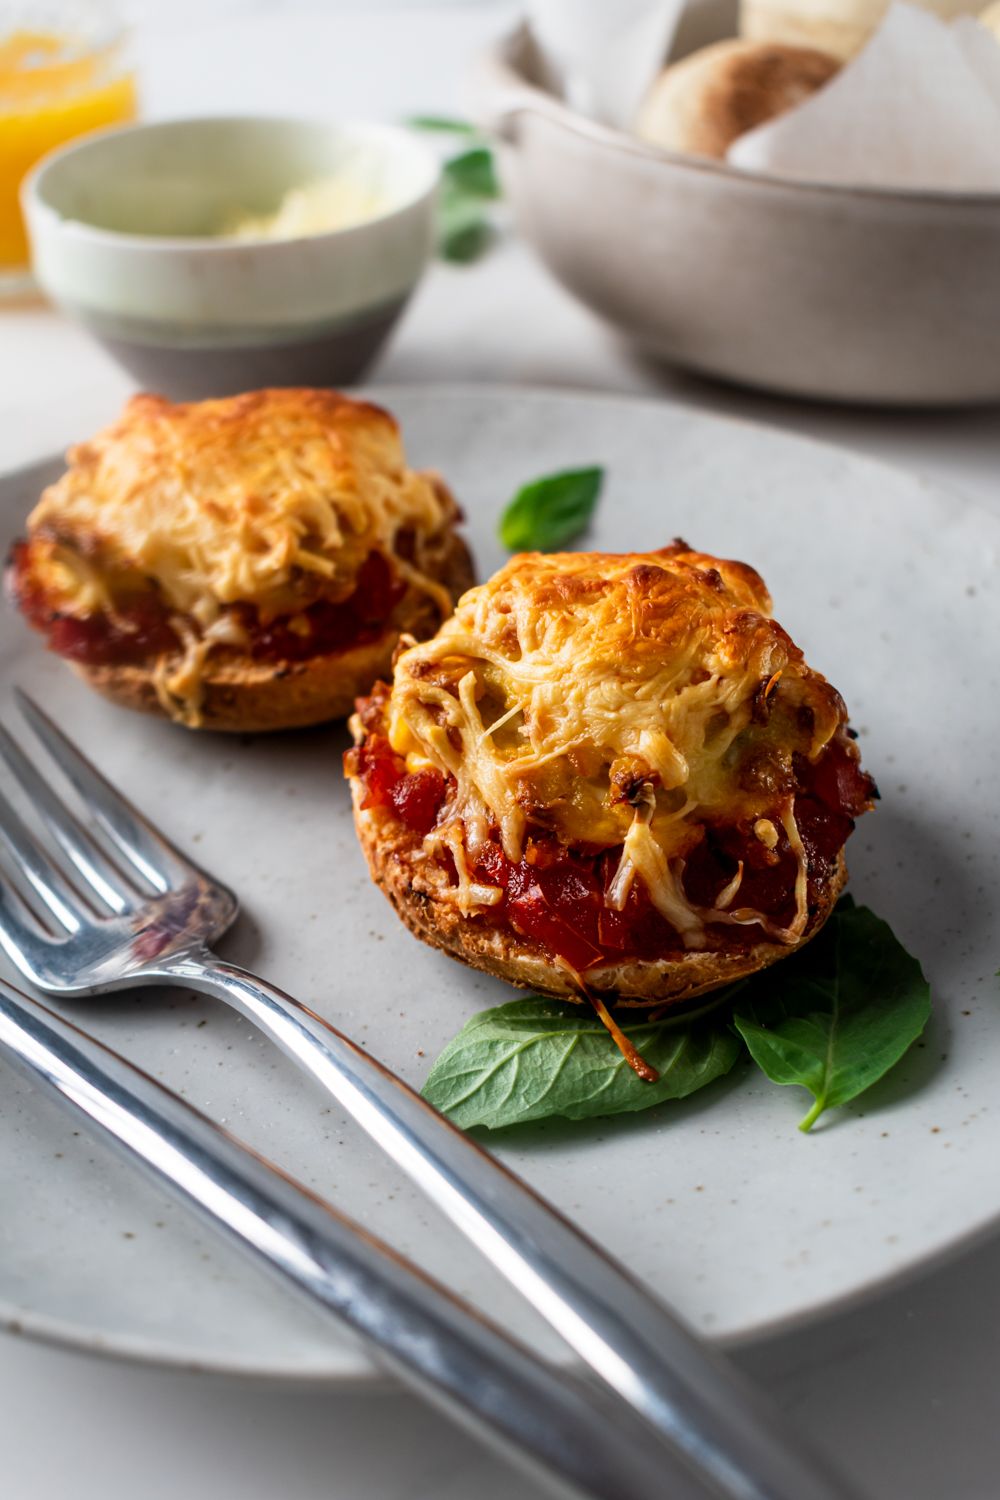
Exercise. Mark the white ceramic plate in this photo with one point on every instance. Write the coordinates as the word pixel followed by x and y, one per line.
pixel 893 589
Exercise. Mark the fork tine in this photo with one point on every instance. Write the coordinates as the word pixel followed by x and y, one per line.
pixel 28 946
pixel 70 835
pixel 143 845
pixel 37 871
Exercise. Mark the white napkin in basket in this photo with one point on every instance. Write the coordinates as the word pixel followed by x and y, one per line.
pixel 604 54
pixel 919 107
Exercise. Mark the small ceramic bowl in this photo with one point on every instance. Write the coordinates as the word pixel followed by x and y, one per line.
pixel 124 237
pixel 838 293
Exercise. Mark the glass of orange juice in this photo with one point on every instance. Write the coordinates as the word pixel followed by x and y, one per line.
pixel 63 71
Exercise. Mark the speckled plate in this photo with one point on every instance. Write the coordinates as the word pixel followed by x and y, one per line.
pixel 893 589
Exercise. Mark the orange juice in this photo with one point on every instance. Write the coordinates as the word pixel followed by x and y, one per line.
pixel 52 88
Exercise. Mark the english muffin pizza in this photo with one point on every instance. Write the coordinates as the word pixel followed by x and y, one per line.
pixel 609 775
pixel 240 564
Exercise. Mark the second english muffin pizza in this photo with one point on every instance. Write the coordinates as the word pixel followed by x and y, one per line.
pixel 240 564
pixel 609 774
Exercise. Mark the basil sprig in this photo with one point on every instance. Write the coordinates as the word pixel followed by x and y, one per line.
pixel 537 1057
pixel 472 173
pixel 469 186
pixel 552 511
pixel 839 1015
pixel 834 1018
pixel 445 124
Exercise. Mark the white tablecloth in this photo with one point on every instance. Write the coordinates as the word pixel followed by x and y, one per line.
pixel 907 1388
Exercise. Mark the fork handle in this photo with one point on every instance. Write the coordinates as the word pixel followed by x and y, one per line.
pixel 559 1430
pixel 728 1433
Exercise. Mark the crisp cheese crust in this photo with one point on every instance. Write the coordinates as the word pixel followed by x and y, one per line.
pixel 268 498
pixel 616 700
pixel 184 536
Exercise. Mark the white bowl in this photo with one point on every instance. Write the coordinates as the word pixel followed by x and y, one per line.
pixel 831 292
pixel 120 226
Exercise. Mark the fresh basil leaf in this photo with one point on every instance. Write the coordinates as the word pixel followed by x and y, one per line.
pixel 467 241
pixel 838 1015
pixel 468 184
pixel 833 1018
pixel 446 124
pixel 464 228
pixel 464 231
pixel 550 512
pixel 536 1058
pixel 473 173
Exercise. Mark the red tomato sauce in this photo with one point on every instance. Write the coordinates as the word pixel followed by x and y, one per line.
pixel 326 627
pixel 141 630
pixel 556 895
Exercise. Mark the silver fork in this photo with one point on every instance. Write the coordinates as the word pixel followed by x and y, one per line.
pixel 568 1434
pixel 113 905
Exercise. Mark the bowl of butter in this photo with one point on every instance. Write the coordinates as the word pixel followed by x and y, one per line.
pixel 216 255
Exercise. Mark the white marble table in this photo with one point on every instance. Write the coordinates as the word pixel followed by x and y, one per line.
pixel 906 1389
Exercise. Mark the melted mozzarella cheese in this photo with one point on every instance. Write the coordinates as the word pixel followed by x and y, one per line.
pixel 267 499
pixel 616 700
pixel 272 499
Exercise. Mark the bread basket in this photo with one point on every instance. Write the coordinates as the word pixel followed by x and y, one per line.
pixel 844 294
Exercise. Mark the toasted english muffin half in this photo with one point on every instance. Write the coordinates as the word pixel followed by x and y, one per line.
pixel 238 695
pixel 609 775
pixel 703 103
pixel 418 892
pixel 242 564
